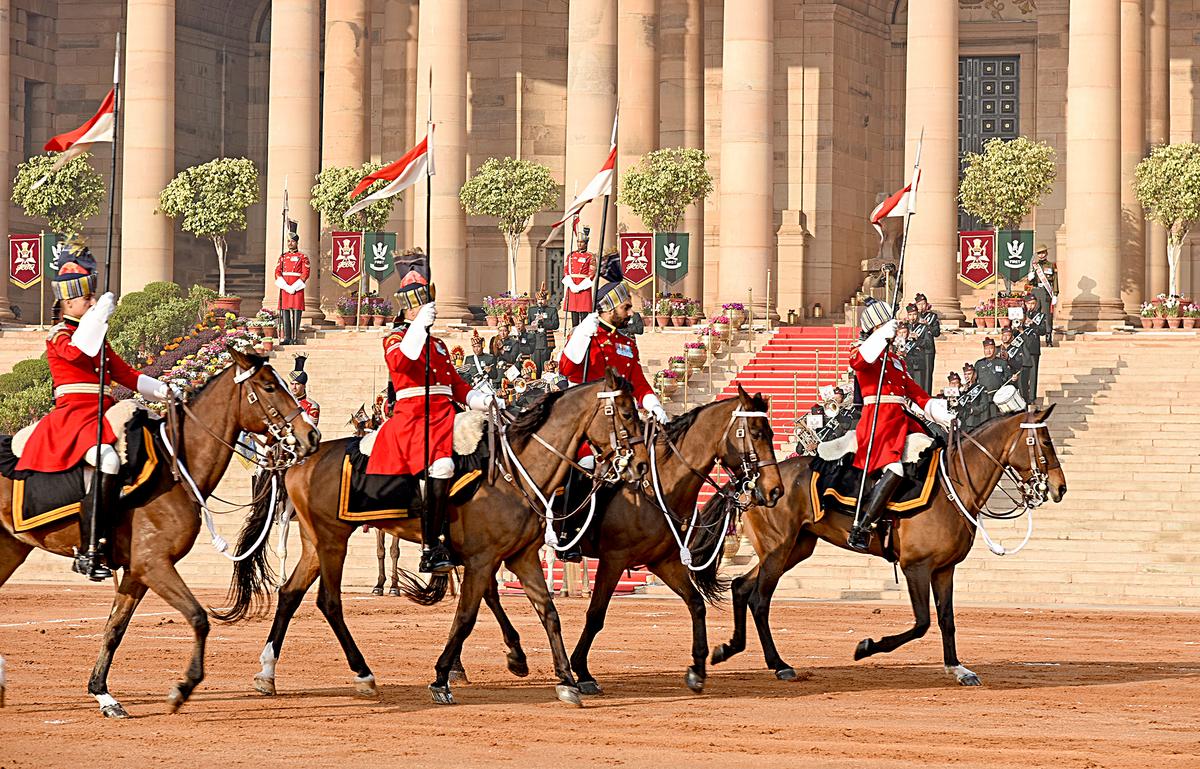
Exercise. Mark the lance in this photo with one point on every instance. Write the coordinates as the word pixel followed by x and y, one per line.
pixel 429 276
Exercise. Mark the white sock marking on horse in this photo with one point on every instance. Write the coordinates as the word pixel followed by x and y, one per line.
pixel 268 660
pixel 959 671
pixel 1 672
pixel 106 700
pixel 369 678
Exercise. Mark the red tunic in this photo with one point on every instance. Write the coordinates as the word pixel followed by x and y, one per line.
pixel 292 266
pixel 894 424
pixel 580 272
pixel 312 408
pixel 609 348
pixel 400 445
pixel 64 435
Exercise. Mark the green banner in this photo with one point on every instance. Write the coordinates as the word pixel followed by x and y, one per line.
pixel 379 253
pixel 1014 253
pixel 671 256
pixel 52 244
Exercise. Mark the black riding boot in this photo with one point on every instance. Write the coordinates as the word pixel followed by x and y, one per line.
pixel 96 569
pixel 872 508
pixel 435 556
pixel 565 531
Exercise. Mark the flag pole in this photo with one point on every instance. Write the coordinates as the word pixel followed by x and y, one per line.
pixel 429 270
pixel 93 542
pixel 603 229
pixel 895 300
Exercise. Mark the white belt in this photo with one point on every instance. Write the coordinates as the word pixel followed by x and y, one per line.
pixel 82 388
pixel 872 400
pixel 419 392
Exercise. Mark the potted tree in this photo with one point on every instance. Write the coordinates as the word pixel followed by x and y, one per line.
pixel 512 191
pixel 65 199
pixel 1167 184
pixel 210 201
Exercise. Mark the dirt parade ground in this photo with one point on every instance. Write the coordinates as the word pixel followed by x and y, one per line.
pixel 1062 688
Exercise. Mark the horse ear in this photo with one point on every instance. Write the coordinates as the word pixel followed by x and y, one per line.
pixel 766 402
pixel 610 377
pixel 745 396
pixel 239 357
pixel 1046 414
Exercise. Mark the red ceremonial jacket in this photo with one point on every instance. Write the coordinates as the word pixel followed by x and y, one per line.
pixel 400 446
pixel 291 267
pixel 579 272
pixel 64 435
pixel 609 348
pixel 312 408
pixel 894 424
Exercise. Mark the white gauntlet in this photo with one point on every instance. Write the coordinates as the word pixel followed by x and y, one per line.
pixel 152 389
pixel 871 349
pixel 93 326
pixel 577 346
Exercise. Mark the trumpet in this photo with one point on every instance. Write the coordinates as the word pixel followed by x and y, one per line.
pixel 831 408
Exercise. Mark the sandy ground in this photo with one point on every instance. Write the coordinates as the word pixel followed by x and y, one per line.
pixel 1062 688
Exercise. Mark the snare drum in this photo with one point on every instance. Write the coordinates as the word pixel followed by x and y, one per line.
pixel 1008 399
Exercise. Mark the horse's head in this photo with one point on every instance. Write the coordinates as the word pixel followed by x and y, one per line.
pixel 265 405
pixel 1033 456
pixel 748 450
pixel 616 427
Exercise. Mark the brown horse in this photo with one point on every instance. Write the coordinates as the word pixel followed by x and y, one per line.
pixel 498 524
pixel 149 540
pixel 634 530
pixel 929 544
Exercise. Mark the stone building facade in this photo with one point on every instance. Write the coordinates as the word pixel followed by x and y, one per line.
pixel 809 110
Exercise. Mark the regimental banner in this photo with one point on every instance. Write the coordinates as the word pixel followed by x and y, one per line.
pixel 347 257
pixel 380 250
pixel 53 245
pixel 1015 252
pixel 637 258
pixel 24 260
pixel 977 257
pixel 671 256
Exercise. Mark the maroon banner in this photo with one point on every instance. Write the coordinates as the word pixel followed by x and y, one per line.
pixel 977 257
pixel 347 257
pixel 24 260
pixel 637 258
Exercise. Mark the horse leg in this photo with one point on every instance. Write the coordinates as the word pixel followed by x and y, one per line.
pixel 674 573
pixel 474 586
pixel 608 574
pixel 395 554
pixel 517 664
pixel 528 568
pixel 129 594
pixel 740 591
pixel 329 601
pixel 291 595
pixel 161 577
pixel 917 576
pixel 943 598
pixel 13 553
pixel 380 554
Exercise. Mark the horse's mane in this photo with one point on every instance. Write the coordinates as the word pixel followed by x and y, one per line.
pixel 533 416
pixel 677 427
pixel 256 361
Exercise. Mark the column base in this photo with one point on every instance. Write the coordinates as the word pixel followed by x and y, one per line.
pixel 453 311
pixel 949 308
pixel 1093 316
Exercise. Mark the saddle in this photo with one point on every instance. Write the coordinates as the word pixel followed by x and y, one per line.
pixel 40 499
pixel 364 498
pixel 835 480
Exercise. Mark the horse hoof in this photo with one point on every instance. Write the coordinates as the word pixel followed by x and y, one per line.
pixel 694 681
pixel 264 685
pixel 518 666
pixel 458 676
pixel 441 694
pixel 786 674
pixel 115 710
pixel 176 699
pixel 569 695
pixel 377 591
pixel 395 591
pixel 970 680
pixel 365 686
pixel 590 688
pixel 720 654
pixel 863 649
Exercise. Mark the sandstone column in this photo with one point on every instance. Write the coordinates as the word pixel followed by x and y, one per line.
pixel 346 95
pixel 442 46
pixel 399 96
pixel 693 137
pixel 6 177
pixel 1158 71
pixel 931 102
pixel 293 138
pixel 747 158
pixel 147 143
pixel 1133 149
pixel 637 86
pixel 1090 276
pixel 591 102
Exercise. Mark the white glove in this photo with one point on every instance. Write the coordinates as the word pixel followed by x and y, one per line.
pixel 414 340
pixel 93 326
pixel 652 404
pixel 477 400
pixel 938 411
pixel 426 315
pixel 871 349
pixel 153 389
pixel 105 306
pixel 577 346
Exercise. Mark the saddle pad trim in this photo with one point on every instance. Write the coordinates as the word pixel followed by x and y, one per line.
pixel 895 507
pixel 345 514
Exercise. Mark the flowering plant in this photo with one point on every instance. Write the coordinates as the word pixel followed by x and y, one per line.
pixel 734 306
pixel 706 332
pixel 1170 308
pixel 676 359
pixel 1149 310
pixel 666 374
pixel 1191 311
pixel 663 308
pixel 346 306
pixel 723 319
pixel 693 309
pixel 694 346
pixel 266 317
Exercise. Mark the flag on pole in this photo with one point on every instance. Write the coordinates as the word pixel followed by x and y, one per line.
pixel 74 143
pixel 899 203
pixel 404 173
pixel 599 186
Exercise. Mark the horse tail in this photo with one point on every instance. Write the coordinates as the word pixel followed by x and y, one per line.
pixel 421 593
pixel 253 578
pixel 710 536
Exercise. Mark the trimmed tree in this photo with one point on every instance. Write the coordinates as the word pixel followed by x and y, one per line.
pixel 512 191
pixel 1167 184
pixel 1007 180
pixel 210 201
pixel 331 198
pixel 68 197
pixel 664 183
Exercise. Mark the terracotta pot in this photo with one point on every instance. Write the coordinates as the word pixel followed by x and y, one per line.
pixel 268 331
pixel 1173 322
pixel 1188 322
pixel 989 321
pixel 492 320
pixel 978 322
pixel 1160 322
pixel 340 320
pixel 678 320
pixel 1147 322
pixel 224 304
pixel 377 320
pixel 662 320
pixel 693 320
pixel 1004 322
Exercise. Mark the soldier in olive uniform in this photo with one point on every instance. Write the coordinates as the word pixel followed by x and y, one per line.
pixel 993 372
pixel 543 322
pixel 1036 325
pixel 974 404
pixel 1043 282
pixel 1011 350
pixel 479 368
pixel 928 328
pixel 920 349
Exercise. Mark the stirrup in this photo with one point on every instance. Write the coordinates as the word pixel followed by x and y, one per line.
pixel 94 570
pixel 859 539
pixel 435 561
pixel 571 555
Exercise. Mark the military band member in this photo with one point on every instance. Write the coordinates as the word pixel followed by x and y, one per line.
pixel 67 435
pixel 953 387
pixel 298 383
pixel 974 404
pixel 1035 326
pixel 517 347
pixel 923 326
pixel 543 322
pixel 1011 350
pixel 993 372
pixel 932 322
pixel 479 368
pixel 579 277
pixel 291 273
pixel 552 378
pixel 496 343
pixel 1043 281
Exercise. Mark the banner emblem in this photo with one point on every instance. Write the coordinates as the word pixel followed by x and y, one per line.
pixel 977 257
pixel 25 260
pixel 380 250
pixel 637 252
pixel 347 257
pixel 671 256
pixel 1016 254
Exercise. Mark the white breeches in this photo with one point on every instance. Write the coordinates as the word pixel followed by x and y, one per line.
pixel 442 468
pixel 895 468
pixel 109 463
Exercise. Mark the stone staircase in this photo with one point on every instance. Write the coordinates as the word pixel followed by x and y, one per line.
pixel 18 343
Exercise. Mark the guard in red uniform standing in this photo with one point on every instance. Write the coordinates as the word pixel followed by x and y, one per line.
pixel 400 445
pixel 67 435
pixel 291 273
pixel 299 386
pixel 894 424
pixel 580 275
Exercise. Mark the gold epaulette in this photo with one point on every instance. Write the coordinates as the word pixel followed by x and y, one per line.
pixel 61 328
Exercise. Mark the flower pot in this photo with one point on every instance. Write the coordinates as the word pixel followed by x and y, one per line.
pixel 1004 322
pixel 678 320
pixel 680 368
pixel 340 320
pixel 736 317
pixel 697 356
pixel 662 320
pixel 1188 322
pixel 722 331
pixel 377 320
pixel 978 322
pixel 1160 322
pixel 1147 322
pixel 1173 322
pixel 668 387
pixel 492 320
pixel 267 344
pixel 268 331
pixel 223 304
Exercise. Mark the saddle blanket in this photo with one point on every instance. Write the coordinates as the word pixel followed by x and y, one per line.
pixel 835 483
pixel 364 498
pixel 40 499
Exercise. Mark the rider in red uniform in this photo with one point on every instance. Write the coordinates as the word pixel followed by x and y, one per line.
pixel 400 445
pixel 894 424
pixel 299 387
pixel 67 435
